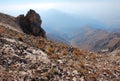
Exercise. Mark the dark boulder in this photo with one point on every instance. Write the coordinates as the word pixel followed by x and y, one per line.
pixel 31 23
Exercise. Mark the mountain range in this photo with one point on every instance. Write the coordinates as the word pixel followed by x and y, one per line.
pixel 82 32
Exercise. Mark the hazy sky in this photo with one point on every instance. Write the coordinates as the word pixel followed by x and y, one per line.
pixel 108 10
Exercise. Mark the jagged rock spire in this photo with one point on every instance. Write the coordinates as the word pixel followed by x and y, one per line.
pixel 31 23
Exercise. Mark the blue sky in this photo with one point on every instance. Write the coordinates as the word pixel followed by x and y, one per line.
pixel 105 10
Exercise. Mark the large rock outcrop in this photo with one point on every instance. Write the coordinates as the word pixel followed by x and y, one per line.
pixel 31 23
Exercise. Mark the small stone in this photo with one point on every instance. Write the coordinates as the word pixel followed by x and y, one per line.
pixel 74 79
pixel 75 72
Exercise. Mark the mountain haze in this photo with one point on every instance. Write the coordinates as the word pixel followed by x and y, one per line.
pixel 66 22
pixel 82 32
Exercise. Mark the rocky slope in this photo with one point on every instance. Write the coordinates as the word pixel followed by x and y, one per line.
pixel 25 57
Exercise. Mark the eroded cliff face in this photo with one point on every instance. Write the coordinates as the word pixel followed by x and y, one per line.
pixel 31 23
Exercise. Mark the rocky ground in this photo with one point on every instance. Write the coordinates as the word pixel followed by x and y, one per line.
pixel 29 58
